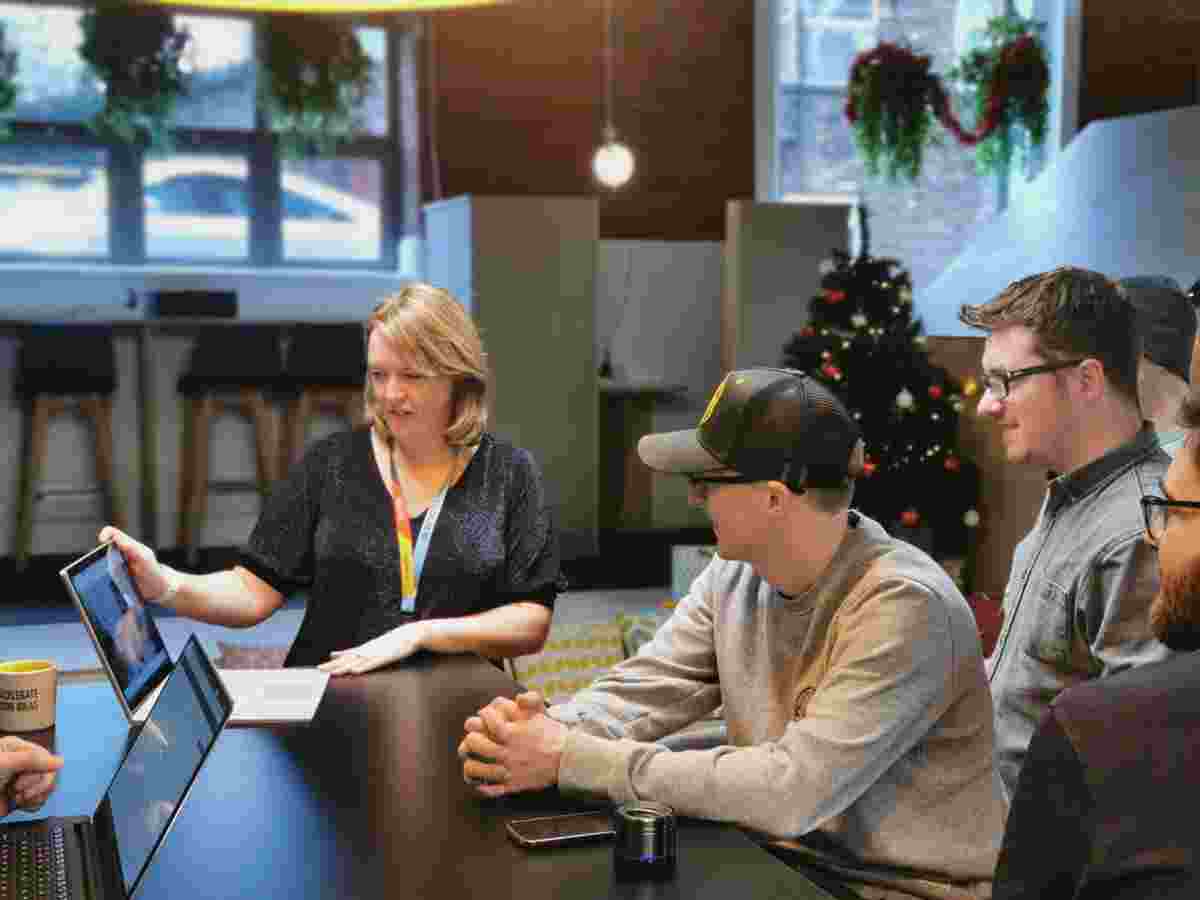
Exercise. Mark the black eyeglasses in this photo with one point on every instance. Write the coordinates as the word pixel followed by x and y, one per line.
pixel 999 382
pixel 699 480
pixel 1155 511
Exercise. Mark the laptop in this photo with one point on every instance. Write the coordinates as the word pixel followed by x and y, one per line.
pixel 107 855
pixel 136 660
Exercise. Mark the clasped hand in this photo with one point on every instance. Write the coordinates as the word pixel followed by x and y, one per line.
pixel 512 746
pixel 395 645
pixel 27 774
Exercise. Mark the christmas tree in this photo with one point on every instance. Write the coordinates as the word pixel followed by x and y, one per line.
pixel 863 342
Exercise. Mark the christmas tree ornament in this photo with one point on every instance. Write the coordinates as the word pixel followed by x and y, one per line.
pixel 858 320
pixel 970 387
pixel 832 371
pixel 951 463
pixel 935 391
pixel 971 518
pixel 905 400
pixel 910 518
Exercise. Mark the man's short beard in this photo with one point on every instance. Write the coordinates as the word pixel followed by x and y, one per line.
pixel 1175 611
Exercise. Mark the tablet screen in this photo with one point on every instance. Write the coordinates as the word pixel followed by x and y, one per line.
pixel 133 649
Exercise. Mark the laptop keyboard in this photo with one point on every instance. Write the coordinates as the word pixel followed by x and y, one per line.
pixel 33 864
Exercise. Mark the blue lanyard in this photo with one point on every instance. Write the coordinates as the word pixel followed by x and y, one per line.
pixel 409 604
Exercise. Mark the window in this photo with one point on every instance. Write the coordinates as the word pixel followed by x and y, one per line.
pixel 809 146
pixel 222 194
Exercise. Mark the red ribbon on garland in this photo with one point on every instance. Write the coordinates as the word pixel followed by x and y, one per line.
pixel 906 74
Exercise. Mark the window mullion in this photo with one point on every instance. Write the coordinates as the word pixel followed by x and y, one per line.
pixel 266 178
pixel 126 207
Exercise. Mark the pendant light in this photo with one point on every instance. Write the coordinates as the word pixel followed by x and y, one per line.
pixel 613 162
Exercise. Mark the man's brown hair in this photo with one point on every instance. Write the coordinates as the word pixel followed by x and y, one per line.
pixel 1072 313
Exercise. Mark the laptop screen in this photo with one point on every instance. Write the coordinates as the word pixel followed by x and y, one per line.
pixel 128 639
pixel 152 781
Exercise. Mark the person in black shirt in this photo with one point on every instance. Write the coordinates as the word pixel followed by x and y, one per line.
pixel 418 531
pixel 1105 805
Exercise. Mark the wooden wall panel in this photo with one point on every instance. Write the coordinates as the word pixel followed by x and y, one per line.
pixel 519 98
pixel 519 107
pixel 1138 57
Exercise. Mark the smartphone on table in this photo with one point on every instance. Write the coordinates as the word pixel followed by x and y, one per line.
pixel 557 831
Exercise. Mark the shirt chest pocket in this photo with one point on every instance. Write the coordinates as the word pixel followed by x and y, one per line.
pixel 1051 637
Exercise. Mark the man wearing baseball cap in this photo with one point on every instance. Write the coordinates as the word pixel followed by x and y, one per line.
pixel 847 664
pixel 1167 325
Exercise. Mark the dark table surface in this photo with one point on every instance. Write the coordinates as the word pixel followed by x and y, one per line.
pixel 369 801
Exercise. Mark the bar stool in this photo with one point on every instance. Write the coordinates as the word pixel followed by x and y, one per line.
pixel 325 368
pixel 61 369
pixel 233 369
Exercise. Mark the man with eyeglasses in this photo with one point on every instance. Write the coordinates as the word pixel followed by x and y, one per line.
pixel 1112 777
pixel 1059 376
pixel 848 665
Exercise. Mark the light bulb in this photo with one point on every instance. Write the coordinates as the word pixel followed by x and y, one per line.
pixel 613 163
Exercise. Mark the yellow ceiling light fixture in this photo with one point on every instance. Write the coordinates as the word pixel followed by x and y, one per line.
pixel 325 6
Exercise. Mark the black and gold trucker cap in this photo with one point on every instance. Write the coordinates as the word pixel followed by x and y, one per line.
pixel 772 424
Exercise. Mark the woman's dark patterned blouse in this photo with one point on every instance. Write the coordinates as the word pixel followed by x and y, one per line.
pixel 327 529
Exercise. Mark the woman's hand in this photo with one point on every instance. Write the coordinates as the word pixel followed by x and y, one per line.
pixel 397 644
pixel 147 572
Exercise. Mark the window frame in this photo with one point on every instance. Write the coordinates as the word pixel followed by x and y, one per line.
pixel 1064 31
pixel 127 239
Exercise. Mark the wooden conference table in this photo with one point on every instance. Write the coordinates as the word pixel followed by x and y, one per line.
pixel 369 801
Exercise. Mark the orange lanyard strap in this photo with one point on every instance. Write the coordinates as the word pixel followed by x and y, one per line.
pixel 404 538
pixel 412 555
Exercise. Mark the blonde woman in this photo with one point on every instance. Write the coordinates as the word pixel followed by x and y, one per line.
pixel 418 531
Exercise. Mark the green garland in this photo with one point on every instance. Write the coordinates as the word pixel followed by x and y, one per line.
pixel 888 105
pixel 8 80
pixel 893 99
pixel 136 51
pixel 1013 67
pixel 313 80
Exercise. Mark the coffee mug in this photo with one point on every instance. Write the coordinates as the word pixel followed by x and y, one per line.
pixel 28 690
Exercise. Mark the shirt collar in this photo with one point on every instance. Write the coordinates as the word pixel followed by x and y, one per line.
pixel 1089 478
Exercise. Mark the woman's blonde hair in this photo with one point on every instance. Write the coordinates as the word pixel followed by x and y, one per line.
pixel 432 329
